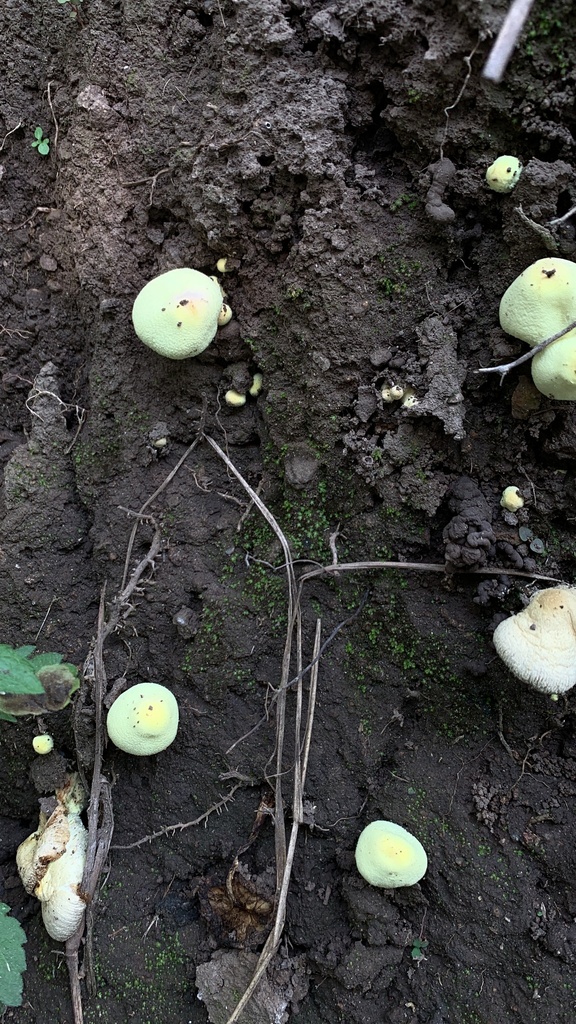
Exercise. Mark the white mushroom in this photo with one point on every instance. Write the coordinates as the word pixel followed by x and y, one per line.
pixel 511 499
pixel 539 643
pixel 51 863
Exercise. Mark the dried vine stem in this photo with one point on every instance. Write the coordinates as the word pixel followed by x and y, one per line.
pixel 506 367
pixel 294 622
pixel 99 834
pixel 300 767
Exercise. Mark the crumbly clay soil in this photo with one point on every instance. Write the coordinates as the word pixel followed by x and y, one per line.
pixel 308 144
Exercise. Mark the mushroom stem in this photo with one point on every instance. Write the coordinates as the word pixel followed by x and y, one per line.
pixel 505 368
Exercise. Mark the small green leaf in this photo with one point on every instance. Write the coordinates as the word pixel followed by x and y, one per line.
pixel 12 958
pixel 38 134
pixel 42 660
pixel 44 147
pixel 16 673
pixel 26 650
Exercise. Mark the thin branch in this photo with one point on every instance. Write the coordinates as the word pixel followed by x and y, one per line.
pixel 565 216
pixel 447 110
pixel 11 132
pixel 293 621
pixel 99 832
pixel 300 768
pixel 54 118
pixel 506 40
pixel 149 501
pixel 303 671
pixel 506 367
pixel 423 567
pixel 217 808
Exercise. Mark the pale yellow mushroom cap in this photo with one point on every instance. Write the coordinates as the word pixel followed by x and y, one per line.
pixel 539 643
pixel 388 856
pixel 43 744
pixel 511 499
pixel 225 315
pixel 410 399
pixel 256 386
pixel 143 720
pixel 554 369
pixel 541 301
pixel 504 173
pixel 235 399
pixel 176 313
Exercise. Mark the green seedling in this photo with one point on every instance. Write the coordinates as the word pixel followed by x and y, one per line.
pixel 73 7
pixel 419 947
pixel 12 960
pixel 40 143
pixel 34 684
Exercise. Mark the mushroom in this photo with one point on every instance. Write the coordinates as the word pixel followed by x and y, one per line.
pixel 539 643
pixel 541 301
pixel 504 173
pixel 177 313
pixel 51 862
pixel 234 398
pixel 409 399
pixel 392 392
pixel 43 744
pixel 256 386
pixel 511 499
pixel 225 315
pixel 143 720
pixel 388 856
pixel 554 369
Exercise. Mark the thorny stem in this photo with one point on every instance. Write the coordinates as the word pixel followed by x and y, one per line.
pixel 506 367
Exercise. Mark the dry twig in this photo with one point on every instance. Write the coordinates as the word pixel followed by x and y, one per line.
pixel 54 118
pixel 506 40
pixel 447 110
pixel 293 622
pixel 216 808
pixel 11 132
pixel 506 367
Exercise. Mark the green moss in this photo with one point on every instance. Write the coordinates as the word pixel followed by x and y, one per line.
pixel 399 272
pixel 153 986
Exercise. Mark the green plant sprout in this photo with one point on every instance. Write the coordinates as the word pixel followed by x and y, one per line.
pixel 33 684
pixel 73 7
pixel 419 947
pixel 12 960
pixel 40 143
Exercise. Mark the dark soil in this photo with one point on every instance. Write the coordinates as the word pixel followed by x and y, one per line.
pixel 295 139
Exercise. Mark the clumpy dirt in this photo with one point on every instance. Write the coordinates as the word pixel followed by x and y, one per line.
pixel 327 151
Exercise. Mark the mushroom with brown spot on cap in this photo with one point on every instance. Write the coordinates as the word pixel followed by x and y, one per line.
pixel 143 720
pixel 177 313
pixel 541 301
pixel 539 643
pixel 539 304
